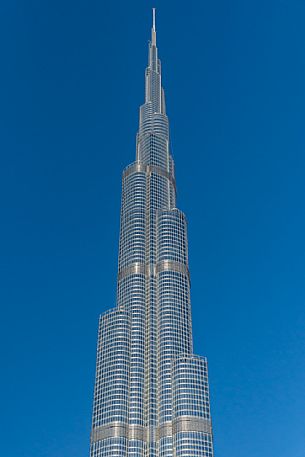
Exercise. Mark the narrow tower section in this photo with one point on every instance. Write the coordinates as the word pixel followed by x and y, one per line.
pixel 151 395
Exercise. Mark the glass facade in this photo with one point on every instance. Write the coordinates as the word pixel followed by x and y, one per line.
pixel 151 396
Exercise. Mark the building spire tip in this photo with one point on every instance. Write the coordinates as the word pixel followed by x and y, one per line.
pixel 153 30
pixel 154 19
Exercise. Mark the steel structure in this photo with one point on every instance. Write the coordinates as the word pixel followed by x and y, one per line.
pixel 151 395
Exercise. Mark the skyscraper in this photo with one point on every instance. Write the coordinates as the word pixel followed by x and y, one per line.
pixel 151 395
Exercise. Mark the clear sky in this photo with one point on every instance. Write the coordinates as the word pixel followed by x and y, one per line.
pixel 71 82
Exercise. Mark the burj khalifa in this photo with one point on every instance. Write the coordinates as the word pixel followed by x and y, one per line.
pixel 151 396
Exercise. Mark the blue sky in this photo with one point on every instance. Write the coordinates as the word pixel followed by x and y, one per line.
pixel 71 82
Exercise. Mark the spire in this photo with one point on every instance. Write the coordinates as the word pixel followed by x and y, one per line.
pixel 153 30
pixel 153 87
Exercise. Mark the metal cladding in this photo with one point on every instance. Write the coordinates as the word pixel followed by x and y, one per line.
pixel 151 395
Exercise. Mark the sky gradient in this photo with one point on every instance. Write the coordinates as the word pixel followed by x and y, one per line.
pixel 71 82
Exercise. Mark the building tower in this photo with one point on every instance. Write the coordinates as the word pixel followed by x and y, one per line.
pixel 151 396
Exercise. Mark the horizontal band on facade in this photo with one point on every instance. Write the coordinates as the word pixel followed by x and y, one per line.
pixel 138 432
pixel 184 424
pixel 192 424
pixel 141 167
pixel 152 270
pixel 136 268
pixel 171 265
pixel 165 430
pixel 119 430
